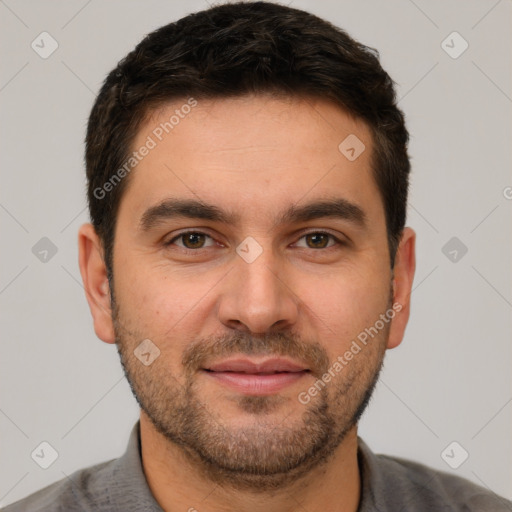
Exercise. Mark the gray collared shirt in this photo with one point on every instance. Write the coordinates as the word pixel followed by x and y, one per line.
pixel 388 485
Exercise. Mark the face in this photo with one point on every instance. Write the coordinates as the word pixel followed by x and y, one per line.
pixel 251 254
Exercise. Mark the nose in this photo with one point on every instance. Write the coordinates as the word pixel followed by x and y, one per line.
pixel 257 298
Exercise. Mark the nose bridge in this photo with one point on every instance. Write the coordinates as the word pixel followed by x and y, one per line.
pixel 256 295
pixel 259 281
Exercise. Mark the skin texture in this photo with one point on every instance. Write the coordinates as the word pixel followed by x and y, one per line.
pixel 204 444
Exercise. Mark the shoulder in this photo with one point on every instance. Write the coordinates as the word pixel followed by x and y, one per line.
pixel 80 491
pixel 395 482
pixel 425 485
pixel 119 484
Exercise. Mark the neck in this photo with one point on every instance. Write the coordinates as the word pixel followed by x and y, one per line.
pixel 178 483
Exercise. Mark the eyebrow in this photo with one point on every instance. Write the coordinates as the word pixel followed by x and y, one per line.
pixel 193 209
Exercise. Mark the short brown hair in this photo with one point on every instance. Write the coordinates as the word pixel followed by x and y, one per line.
pixel 236 49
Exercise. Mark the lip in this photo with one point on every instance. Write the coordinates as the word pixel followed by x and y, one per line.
pixel 256 377
pixel 243 365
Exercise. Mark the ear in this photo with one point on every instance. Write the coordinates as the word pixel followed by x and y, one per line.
pixel 94 277
pixel 403 275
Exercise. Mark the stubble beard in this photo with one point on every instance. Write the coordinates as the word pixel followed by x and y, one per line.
pixel 270 454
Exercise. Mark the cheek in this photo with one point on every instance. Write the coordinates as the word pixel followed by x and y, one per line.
pixel 344 305
pixel 164 305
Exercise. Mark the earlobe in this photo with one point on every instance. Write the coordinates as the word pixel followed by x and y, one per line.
pixel 96 285
pixel 403 275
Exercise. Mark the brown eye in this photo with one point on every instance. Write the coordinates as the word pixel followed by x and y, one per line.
pixel 191 240
pixel 317 240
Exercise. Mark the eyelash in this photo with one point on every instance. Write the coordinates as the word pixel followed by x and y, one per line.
pixel 337 241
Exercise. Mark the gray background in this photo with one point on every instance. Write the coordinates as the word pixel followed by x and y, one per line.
pixel 449 381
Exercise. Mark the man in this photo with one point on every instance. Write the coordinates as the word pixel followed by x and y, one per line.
pixel 247 182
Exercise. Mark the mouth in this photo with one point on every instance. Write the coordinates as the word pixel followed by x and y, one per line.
pixel 256 377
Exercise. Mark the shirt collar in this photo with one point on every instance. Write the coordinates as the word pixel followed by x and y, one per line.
pixel 130 491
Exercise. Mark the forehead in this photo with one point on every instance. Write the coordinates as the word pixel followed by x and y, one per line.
pixel 254 154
